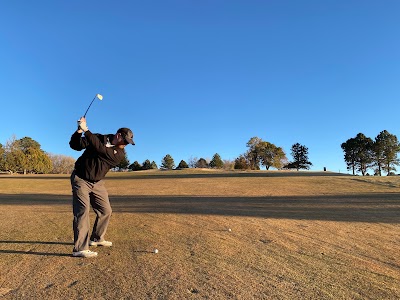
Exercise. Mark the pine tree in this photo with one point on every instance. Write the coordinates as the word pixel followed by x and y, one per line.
pixel 124 162
pixel 216 162
pixel 364 153
pixel 385 148
pixel 167 162
pixel 350 154
pixel 300 157
pixel 146 165
pixel 183 165
pixel 136 166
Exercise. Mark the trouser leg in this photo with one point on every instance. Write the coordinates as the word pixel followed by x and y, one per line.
pixel 101 206
pixel 81 208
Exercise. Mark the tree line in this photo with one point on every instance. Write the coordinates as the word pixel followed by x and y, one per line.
pixel 26 156
pixel 362 153
pixel 259 154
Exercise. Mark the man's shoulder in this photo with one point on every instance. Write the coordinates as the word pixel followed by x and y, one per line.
pixel 104 137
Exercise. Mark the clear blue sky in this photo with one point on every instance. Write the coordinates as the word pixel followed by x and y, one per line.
pixel 195 78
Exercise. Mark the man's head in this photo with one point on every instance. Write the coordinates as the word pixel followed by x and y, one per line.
pixel 123 137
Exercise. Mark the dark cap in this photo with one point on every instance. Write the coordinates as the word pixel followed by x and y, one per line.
pixel 127 135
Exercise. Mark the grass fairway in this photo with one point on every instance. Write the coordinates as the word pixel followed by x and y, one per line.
pixel 294 235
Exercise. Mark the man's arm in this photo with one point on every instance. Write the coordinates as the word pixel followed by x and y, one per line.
pixel 78 142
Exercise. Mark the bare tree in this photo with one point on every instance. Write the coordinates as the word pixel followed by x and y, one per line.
pixel 62 164
pixel 192 162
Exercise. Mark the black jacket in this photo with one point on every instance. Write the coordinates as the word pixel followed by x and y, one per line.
pixel 97 159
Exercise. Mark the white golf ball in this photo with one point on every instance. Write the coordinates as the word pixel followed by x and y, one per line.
pixel 155 250
pixel 229 229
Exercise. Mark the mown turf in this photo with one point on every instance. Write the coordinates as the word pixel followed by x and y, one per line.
pixel 293 236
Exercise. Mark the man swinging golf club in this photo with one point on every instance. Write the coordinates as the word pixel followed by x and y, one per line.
pixel 102 152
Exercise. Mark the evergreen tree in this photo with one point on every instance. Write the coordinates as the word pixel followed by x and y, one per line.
pixel 216 162
pixel 360 153
pixel 364 153
pixel 202 163
pixel 153 165
pixel 37 161
pixel 350 154
pixel 146 165
pixel 124 164
pixel 136 166
pixel 385 148
pixel 26 143
pixel 25 155
pixel 300 157
pixel 183 165
pixel 167 162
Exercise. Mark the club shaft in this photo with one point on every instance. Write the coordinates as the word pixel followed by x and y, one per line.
pixel 89 106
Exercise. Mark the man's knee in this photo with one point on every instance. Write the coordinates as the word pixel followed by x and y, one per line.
pixel 104 208
pixel 107 211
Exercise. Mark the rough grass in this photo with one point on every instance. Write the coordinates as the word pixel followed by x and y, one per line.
pixel 293 236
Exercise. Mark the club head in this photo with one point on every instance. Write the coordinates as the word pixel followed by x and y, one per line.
pixel 100 97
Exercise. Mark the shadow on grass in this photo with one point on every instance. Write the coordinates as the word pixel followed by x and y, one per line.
pixel 35 242
pixel 378 207
pixel 33 253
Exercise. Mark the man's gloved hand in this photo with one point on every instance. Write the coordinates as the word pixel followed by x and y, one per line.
pixel 82 124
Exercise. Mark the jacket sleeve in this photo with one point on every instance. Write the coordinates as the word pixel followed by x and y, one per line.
pixel 111 155
pixel 78 142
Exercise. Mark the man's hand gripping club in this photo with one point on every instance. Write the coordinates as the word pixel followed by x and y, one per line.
pixel 82 126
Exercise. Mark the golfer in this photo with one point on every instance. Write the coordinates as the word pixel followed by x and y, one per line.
pixel 102 152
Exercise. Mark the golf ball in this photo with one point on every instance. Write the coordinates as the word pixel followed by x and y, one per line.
pixel 229 229
pixel 155 250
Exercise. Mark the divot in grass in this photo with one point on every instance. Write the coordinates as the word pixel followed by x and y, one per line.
pixel 193 291
pixel 49 285
pixel 265 241
pixel 73 283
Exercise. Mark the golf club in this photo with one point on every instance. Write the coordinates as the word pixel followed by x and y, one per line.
pixel 100 97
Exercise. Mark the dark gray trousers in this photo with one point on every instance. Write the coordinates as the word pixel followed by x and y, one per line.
pixel 84 195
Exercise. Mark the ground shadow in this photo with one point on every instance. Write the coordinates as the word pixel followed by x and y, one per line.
pixel 359 208
pixel 33 253
pixel 371 207
pixel 35 242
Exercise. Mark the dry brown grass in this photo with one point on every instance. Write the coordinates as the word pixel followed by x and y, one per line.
pixel 294 236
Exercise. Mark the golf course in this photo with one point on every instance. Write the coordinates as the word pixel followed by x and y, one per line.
pixel 219 235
